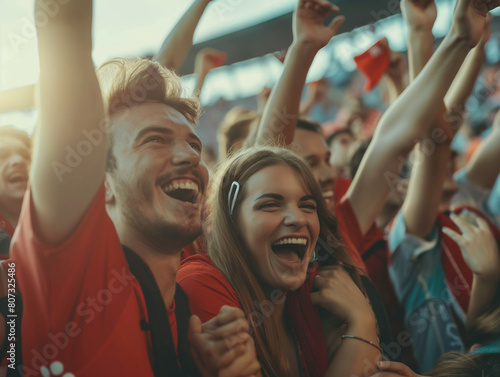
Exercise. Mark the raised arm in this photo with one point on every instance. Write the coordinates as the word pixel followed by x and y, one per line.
pixel 17 99
pixel 432 154
pixel 397 75
pixel 421 206
pixel 309 36
pixel 413 113
pixel 176 46
pixel 206 60
pixel 484 167
pixel 65 177
pixel 463 85
pixel 420 16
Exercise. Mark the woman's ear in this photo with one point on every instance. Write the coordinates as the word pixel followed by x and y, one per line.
pixel 109 187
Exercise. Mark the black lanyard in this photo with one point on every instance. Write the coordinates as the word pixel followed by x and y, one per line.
pixel 164 359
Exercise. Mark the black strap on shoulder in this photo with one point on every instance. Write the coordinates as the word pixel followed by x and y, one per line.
pixel 164 352
pixel 182 314
pixel 165 361
pixel 377 246
pixel 4 243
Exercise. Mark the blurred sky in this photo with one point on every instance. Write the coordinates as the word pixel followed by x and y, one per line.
pixel 123 28
pixel 135 28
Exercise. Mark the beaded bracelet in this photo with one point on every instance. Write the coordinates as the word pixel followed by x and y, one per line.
pixel 363 340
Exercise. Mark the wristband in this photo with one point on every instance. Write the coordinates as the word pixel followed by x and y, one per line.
pixel 362 340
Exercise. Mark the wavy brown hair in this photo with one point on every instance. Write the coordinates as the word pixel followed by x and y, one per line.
pixel 230 254
pixel 455 364
pixel 126 83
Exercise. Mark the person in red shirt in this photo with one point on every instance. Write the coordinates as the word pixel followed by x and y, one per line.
pixel 15 160
pixel 405 122
pixel 267 215
pixel 115 193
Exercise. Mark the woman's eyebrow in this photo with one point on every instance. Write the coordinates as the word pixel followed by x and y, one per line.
pixel 270 195
pixel 307 197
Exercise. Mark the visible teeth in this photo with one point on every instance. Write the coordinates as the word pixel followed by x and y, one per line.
pixel 328 194
pixel 292 241
pixel 179 184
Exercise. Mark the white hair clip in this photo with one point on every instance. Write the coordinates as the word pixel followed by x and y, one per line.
pixel 236 186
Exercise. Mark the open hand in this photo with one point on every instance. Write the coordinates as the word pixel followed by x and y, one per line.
pixel 308 22
pixel 479 247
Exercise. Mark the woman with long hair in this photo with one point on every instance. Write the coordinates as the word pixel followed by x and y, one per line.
pixel 268 222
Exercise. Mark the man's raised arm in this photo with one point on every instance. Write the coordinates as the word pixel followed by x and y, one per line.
pixel 67 169
pixel 484 167
pixel 309 36
pixel 463 85
pixel 421 205
pixel 176 46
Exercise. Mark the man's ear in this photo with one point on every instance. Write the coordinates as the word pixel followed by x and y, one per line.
pixel 109 186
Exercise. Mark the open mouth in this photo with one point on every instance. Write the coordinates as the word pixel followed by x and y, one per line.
pixel 183 190
pixel 290 249
pixel 328 195
pixel 17 178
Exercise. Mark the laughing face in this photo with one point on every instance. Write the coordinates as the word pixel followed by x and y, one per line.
pixel 15 162
pixel 158 185
pixel 312 147
pixel 280 226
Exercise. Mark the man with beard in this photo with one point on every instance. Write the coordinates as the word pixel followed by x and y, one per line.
pixel 96 263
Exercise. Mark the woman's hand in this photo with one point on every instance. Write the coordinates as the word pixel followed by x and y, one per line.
pixel 338 294
pixel 394 369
